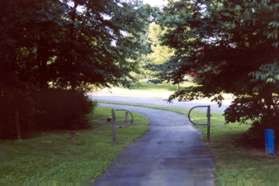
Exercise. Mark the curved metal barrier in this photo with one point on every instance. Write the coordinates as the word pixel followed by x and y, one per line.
pixel 208 124
pixel 126 121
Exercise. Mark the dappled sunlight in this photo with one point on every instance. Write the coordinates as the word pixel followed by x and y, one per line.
pixel 151 93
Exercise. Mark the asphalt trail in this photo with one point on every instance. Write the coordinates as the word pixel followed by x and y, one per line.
pixel 170 154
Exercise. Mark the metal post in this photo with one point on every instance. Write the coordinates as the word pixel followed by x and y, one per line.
pixel 113 123
pixel 208 114
pixel 126 118
pixel 208 123
pixel 131 118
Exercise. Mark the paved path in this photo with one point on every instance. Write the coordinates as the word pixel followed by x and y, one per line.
pixel 170 154
pixel 161 102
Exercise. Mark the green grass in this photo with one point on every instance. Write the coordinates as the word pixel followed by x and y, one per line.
pixel 163 86
pixel 53 159
pixel 235 165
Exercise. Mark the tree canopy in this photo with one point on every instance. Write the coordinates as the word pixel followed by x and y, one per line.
pixel 51 51
pixel 70 43
pixel 159 53
pixel 227 47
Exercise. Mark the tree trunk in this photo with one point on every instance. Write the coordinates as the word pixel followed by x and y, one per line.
pixel 17 122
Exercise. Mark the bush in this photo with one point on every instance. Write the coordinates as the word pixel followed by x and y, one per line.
pixel 61 109
pixel 49 109
pixel 254 137
pixel 13 107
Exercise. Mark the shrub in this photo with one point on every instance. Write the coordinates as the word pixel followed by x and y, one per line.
pixel 49 109
pixel 61 109
pixel 13 107
pixel 254 137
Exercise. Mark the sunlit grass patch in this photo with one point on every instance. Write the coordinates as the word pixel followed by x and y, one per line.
pixel 56 159
pixel 162 86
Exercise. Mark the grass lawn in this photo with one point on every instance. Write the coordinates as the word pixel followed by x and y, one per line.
pixel 235 165
pixel 53 159
pixel 160 86
pixel 143 89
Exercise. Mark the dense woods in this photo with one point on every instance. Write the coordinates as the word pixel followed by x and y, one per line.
pixel 66 44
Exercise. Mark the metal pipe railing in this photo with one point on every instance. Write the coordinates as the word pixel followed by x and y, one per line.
pixel 113 124
pixel 208 114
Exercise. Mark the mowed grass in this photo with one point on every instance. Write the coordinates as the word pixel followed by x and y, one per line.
pixel 235 164
pixel 160 86
pixel 54 159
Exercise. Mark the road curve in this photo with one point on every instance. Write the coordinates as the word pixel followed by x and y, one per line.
pixel 160 102
pixel 170 154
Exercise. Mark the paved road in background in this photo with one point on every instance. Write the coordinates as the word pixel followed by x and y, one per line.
pixel 160 102
pixel 170 154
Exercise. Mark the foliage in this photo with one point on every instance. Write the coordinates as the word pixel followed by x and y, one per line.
pixel 226 46
pixel 60 109
pixel 51 110
pixel 160 53
pixel 17 112
pixel 70 43
pixel 255 138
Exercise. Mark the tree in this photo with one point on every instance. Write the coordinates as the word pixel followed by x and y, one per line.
pixel 71 43
pixel 227 47
pixel 67 44
pixel 160 53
